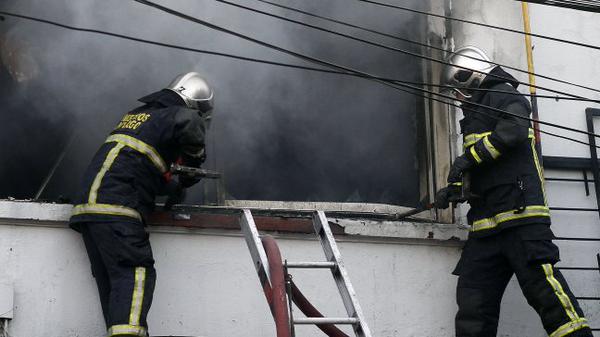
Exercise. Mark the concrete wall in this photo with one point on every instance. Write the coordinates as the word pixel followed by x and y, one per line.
pixel 207 285
pixel 570 63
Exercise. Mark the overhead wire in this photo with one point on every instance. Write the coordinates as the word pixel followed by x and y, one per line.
pixel 269 62
pixel 422 44
pixel 546 37
pixel 403 87
pixel 399 50
pixel 588 6
pixel 355 74
pixel 557 98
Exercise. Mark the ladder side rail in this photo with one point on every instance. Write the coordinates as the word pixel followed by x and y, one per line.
pixel 257 251
pixel 340 274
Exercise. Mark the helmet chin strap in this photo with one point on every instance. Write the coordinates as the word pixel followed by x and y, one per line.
pixel 474 83
pixel 463 93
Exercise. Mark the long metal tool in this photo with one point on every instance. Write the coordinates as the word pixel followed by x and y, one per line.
pixel 55 167
pixel 415 211
pixel 194 172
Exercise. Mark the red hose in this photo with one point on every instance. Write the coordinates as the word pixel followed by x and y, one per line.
pixel 278 298
pixel 310 311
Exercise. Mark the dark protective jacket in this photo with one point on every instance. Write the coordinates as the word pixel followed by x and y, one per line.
pixel 506 177
pixel 131 168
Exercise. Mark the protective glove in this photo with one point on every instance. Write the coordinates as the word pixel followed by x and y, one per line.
pixel 442 198
pixel 188 181
pixel 175 195
pixel 460 165
pixel 447 195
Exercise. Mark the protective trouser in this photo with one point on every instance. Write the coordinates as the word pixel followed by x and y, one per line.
pixel 123 266
pixel 485 268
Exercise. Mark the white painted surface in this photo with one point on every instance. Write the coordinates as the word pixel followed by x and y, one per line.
pixel 207 286
pixel 6 301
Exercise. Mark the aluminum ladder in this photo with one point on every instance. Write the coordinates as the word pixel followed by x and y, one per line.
pixel 333 262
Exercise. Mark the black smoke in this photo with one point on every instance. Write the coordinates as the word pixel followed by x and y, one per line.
pixel 277 134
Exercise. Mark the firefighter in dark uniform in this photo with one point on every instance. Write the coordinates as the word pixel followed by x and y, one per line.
pixel 119 187
pixel 509 217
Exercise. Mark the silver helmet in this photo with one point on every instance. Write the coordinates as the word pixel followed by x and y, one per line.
pixel 194 90
pixel 467 68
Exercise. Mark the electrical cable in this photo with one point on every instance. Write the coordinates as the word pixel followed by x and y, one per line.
pixel 444 86
pixel 580 44
pixel 346 69
pixel 366 29
pixel 579 268
pixel 387 47
pixel 275 63
pixel 358 74
pixel 582 6
pixel 399 50
pixel 559 238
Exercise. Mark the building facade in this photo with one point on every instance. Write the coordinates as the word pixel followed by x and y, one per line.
pixel 401 270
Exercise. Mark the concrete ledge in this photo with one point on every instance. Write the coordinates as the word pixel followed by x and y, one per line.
pixel 219 220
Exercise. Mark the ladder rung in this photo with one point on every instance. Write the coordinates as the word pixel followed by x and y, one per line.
pixel 326 320
pixel 310 265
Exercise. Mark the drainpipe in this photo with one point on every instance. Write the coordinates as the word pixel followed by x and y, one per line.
pixel 532 90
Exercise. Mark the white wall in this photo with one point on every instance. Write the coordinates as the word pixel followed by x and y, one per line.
pixel 207 285
pixel 570 63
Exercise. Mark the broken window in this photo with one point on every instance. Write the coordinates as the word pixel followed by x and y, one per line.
pixel 278 133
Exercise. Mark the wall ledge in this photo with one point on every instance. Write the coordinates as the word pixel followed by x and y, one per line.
pixel 222 220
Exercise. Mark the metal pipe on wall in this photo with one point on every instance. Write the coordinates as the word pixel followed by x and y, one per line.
pixel 530 69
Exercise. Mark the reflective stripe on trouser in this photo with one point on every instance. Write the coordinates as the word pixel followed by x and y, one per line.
pixel 486 266
pixel 130 303
pixel 123 266
pixel 127 330
pixel 575 320
pixel 135 311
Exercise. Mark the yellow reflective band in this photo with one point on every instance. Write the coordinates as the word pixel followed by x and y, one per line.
pixel 106 209
pixel 110 159
pixel 540 170
pixel 560 293
pixel 570 327
pixel 456 184
pixel 530 211
pixel 472 138
pixel 475 155
pixel 141 147
pixel 494 153
pixel 137 298
pixel 124 329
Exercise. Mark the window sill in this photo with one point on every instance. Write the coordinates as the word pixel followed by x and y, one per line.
pixel 349 225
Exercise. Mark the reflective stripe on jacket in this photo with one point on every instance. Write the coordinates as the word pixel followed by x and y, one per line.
pixel 507 177
pixel 126 173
